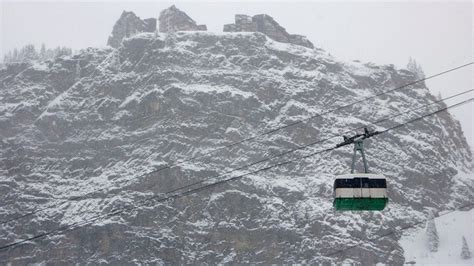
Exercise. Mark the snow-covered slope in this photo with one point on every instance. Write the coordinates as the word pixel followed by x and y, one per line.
pixel 451 228
pixel 105 117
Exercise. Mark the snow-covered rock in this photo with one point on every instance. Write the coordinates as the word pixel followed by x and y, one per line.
pixel 173 19
pixel 128 111
pixel 452 227
pixel 128 25
pixel 267 25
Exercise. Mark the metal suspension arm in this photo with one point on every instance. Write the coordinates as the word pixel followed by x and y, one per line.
pixel 359 146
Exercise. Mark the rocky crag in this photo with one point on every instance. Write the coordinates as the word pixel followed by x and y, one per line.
pixel 266 24
pixel 128 25
pixel 172 20
pixel 105 117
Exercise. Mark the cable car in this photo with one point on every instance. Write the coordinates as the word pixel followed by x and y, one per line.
pixel 360 191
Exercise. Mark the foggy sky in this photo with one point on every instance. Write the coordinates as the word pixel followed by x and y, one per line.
pixel 437 34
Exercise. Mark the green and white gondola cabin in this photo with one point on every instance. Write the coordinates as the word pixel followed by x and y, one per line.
pixel 360 192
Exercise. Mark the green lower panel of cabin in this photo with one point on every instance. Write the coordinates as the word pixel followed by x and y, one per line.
pixel 360 204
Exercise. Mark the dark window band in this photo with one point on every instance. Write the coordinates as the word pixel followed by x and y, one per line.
pixel 358 182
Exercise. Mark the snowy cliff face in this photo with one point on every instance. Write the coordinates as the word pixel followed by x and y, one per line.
pixel 103 118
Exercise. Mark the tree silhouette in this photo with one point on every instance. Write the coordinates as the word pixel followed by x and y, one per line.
pixel 432 234
pixel 28 53
pixel 414 67
pixel 465 252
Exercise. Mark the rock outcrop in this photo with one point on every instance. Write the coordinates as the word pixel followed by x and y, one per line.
pixel 173 19
pixel 242 23
pixel 128 25
pixel 267 25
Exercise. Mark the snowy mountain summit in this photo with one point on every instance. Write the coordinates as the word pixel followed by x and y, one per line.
pixel 97 122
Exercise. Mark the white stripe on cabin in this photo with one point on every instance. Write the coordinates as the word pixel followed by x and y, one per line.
pixel 361 192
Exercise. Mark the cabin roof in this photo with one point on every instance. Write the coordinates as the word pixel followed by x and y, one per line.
pixel 361 175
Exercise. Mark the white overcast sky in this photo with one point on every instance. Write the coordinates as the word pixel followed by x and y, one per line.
pixel 439 35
